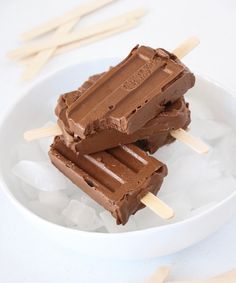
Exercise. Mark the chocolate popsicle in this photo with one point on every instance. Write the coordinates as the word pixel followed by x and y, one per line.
pixel 154 134
pixel 117 178
pixel 130 94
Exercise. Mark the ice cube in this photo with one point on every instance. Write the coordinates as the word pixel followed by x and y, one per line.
pixel 112 227
pixel 71 189
pixel 205 192
pixel 172 152
pixel 58 199
pixel 186 171
pixel 30 192
pixel 208 129
pixel 41 175
pixel 78 194
pixel 75 194
pixel 90 202
pixel 81 216
pixel 225 152
pixel 200 108
pixel 180 203
pixel 45 211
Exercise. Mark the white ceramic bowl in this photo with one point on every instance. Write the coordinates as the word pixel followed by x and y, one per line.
pixel 34 108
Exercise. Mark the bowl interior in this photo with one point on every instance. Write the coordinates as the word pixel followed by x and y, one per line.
pixel 36 107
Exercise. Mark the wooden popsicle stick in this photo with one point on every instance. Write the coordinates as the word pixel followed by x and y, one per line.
pixel 39 60
pixel 211 280
pixel 76 36
pixel 160 275
pixel 33 68
pixel 68 47
pixel 158 206
pixel 202 281
pixel 227 277
pixel 69 16
pixel 194 143
pixel 95 38
pixel 186 47
pixel 42 133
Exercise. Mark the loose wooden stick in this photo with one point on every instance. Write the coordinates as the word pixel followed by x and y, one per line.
pixel 227 277
pixel 42 133
pixel 158 206
pixel 69 16
pixel 186 47
pixel 105 26
pixel 34 66
pixel 68 47
pixel 100 36
pixel 194 143
pixel 39 60
pixel 203 281
pixel 160 275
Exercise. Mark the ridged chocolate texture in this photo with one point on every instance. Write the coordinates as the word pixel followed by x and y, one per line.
pixel 150 137
pixel 117 178
pixel 130 94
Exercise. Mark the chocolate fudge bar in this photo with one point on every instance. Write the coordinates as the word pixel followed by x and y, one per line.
pixel 116 178
pixel 154 134
pixel 130 94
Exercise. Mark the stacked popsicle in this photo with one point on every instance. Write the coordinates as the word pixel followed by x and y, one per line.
pixel 108 124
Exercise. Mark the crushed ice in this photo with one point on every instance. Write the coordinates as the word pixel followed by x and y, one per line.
pixel 195 183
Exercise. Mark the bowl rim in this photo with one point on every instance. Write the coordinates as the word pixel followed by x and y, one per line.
pixel 91 234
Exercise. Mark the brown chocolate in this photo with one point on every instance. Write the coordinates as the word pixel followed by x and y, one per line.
pixel 176 116
pixel 150 137
pixel 116 178
pixel 129 95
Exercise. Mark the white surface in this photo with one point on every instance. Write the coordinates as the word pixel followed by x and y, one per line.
pixel 26 256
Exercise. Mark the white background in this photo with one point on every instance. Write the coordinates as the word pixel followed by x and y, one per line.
pixel 27 256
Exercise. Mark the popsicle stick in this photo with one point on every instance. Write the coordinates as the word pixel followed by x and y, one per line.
pixel 211 280
pixel 227 277
pixel 39 60
pixel 186 47
pixel 202 281
pixel 95 38
pixel 194 143
pixel 65 48
pixel 69 16
pixel 160 275
pixel 105 26
pixel 33 68
pixel 42 133
pixel 158 206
